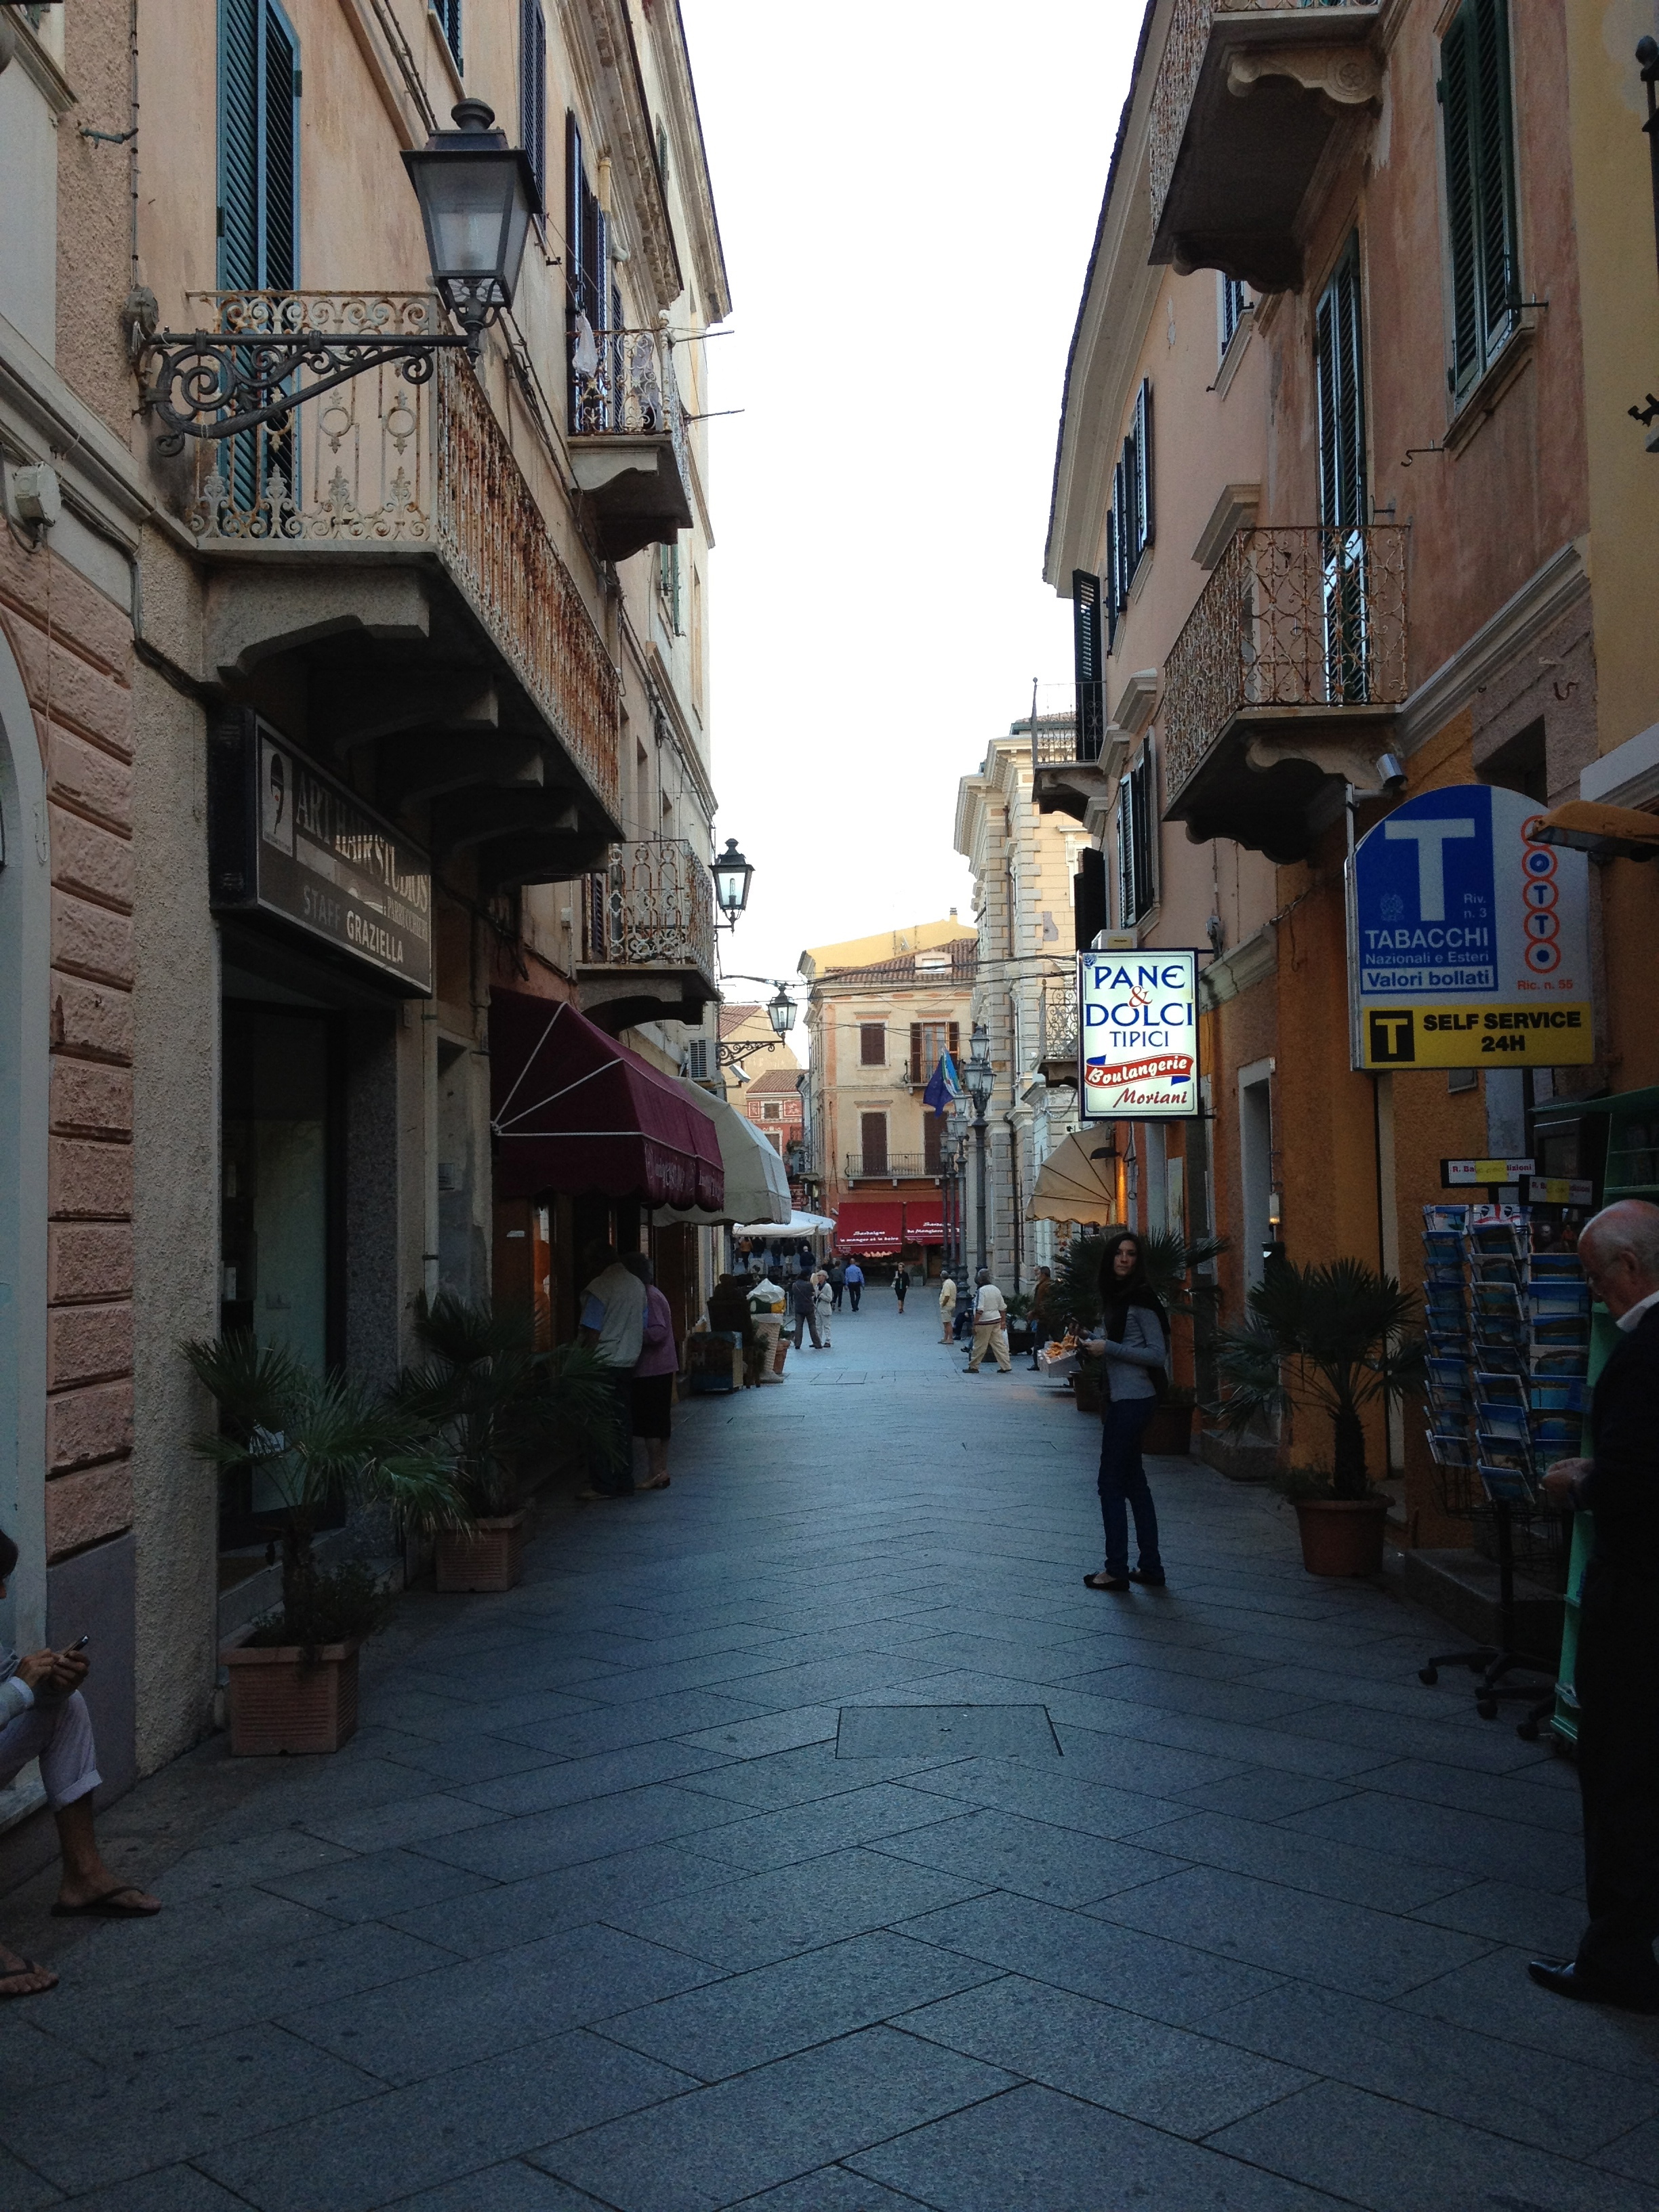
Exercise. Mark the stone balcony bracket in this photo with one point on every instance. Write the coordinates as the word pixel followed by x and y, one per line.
pixel 628 451
pixel 647 936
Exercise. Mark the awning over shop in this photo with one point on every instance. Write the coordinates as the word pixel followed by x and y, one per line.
pixel 572 1109
pixel 757 1180
pixel 924 1220
pixel 799 1226
pixel 1077 1181
pixel 873 1228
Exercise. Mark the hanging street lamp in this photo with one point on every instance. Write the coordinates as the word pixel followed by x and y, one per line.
pixel 477 195
pixel 781 1011
pixel 979 1077
pixel 732 877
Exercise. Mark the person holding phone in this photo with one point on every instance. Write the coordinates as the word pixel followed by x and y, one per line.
pixel 43 1715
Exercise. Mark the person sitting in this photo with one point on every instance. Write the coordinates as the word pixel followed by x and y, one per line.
pixel 43 1715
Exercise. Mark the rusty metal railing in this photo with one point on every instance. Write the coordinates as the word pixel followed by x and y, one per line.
pixel 652 907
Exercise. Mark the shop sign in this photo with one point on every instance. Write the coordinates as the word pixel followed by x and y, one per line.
pixel 1456 1175
pixel 289 841
pixel 1468 944
pixel 1138 1035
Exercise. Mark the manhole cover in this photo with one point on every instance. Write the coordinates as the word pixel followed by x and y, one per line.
pixel 966 1731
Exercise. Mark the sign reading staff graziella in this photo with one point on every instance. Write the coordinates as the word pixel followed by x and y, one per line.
pixel 1470 943
pixel 287 841
pixel 1138 1035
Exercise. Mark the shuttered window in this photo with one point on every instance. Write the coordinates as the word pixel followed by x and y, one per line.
pixel 586 266
pixel 872 1045
pixel 533 89
pixel 258 194
pixel 1477 111
pixel 1234 299
pixel 872 1143
pixel 1130 526
pixel 1341 364
pixel 448 13
pixel 1089 897
pixel 1137 839
pixel 1089 666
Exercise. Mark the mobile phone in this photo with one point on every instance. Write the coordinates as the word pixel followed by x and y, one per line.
pixel 79 1645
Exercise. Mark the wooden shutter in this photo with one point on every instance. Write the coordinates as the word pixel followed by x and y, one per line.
pixel 533 89
pixel 280 193
pixel 932 1133
pixel 1143 792
pixel 917 1074
pixel 1089 898
pixel 1087 666
pixel 872 1045
pixel 872 1142
pixel 1126 858
pixel 240 135
pixel 956 1040
pixel 1342 472
pixel 1494 173
pixel 1143 442
pixel 1477 113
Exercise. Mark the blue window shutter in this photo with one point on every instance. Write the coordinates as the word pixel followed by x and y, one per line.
pixel 240 143
pixel 532 90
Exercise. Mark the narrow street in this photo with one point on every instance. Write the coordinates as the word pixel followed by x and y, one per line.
pixel 597 1910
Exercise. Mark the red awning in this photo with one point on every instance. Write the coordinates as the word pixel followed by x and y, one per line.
pixel 873 1228
pixel 924 1220
pixel 574 1110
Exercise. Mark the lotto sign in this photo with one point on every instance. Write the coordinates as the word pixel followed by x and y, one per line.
pixel 1469 943
pixel 1138 1035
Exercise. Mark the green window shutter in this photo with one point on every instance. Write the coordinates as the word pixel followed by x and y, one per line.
pixel 1494 154
pixel 238 144
pixel 1342 471
pixel 280 193
pixel 1480 218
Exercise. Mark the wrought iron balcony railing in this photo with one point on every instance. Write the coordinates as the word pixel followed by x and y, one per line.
pixel 628 450
pixel 1059 1021
pixel 891 1168
pixel 654 907
pixel 1303 622
pixel 382 467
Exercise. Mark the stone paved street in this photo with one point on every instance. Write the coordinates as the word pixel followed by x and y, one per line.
pixel 1221 1909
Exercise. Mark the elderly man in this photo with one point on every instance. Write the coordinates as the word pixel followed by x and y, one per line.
pixel 1618 1672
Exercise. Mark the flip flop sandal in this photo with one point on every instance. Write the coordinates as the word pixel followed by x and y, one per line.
pixel 29 1967
pixel 106 1907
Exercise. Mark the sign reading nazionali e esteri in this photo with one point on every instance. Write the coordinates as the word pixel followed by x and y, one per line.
pixel 1469 941
pixel 1138 1035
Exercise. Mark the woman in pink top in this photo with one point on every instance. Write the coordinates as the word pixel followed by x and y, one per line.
pixel 654 1376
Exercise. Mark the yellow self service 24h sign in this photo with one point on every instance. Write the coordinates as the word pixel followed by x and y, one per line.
pixel 1469 943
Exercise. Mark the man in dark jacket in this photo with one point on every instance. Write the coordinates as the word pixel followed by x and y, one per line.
pixel 1618 1668
pixel 804 1305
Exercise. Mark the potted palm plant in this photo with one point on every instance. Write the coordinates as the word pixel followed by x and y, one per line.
pixel 312 1445
pixel 1171 1260
pixel 1331 1340
pixel 494 1401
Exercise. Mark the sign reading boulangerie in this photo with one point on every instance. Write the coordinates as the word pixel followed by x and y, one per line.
pixel 1138 1035
pixel 290 842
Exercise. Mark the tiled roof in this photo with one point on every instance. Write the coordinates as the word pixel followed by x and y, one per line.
pixel 777 1079
pixel 964 957
pixel 733 1017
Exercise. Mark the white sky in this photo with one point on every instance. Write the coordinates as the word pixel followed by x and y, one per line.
pixel 908 192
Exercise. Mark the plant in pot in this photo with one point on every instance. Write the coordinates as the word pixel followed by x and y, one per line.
pixel 1171 1261
pixel 1331 1340
pixel 311 1444
pixel 494 1401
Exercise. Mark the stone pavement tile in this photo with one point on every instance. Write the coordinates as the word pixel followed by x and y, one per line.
pixel 1289 1931
pixel 153 2112
pixel 513 2187
pixel 573 1780
pixel 773 1783
pixel 1264 1793
pixel 1496 1851
pixel 728 2141
pixel 1635 2155
pixel 612 1727
pixel 831 2189
pixel 1545 1922
pixel 1242 1745
pixel 150 2018
pixel 31 2055
pixel 422 1713
pixel 378 1885
pixel 1035 2151
pixel 380 2152
pixel 507 1914
pixel 827 1823
pixel 772 1732
pixel 1390 1736
pixel 1340 1870
pixel 1493 1996
pixel 1001 1850
pixel 534 1843
pixel 1046 1793
pixel 200 1937
pixel 1165 1689
pixel 829 1681
pixel 762 1917
pixel 1184 2083
pixel 22 2191
pixel 1521 1797
pixel 1535 2098
pixel 405 1821
pixel 235 1866
pixel 411 2029
pixel 461 1759
pixel 1393 2158
pixel 1075 1951
pixel 1152 1769
pixel 748 2019
pixel 167 2189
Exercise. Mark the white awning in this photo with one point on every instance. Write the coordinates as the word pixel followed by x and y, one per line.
pixel 757 1180
pixel 798 1224
pixel 1074 1183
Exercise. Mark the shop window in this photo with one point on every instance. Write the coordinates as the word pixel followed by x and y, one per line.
pixel 1477 113
pixel 1137 839
pixel 872 1045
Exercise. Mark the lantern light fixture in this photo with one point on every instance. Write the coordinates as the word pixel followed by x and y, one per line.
pixel 781 1011
pixel 979 1075
pixel 732 877
pixel 477 195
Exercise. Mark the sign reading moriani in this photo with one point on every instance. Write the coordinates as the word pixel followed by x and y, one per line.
pixel 1138 1035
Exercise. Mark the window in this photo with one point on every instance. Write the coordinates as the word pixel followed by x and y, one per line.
pixel 1235 298
pixel 668 584
pixel 533 89
pixel 697 1059
pixel 1088 667
pixel 932 1136
pixel 587 283
pixel 1481 218
pixel 1129 527
pixel 872 1143
pixel 258 193
pixel 1089 897
pixel 771 1111
pixel 448 13
pixel 1137 839
pixel 872 1045
pixel 1343 480
pixel 697 641
pixel 929 1042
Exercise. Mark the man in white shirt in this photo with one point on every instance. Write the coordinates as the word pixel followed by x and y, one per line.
pixel 990 1324
pixel 613 1327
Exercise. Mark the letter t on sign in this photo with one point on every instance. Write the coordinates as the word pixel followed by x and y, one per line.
pixel 1430 838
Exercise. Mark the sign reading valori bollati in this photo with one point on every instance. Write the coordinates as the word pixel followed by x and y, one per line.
pixel 287 841
pixel 1138 1035
pixel 1468 944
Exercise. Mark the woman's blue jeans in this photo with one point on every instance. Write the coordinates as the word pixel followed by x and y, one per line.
pixel 1123 1488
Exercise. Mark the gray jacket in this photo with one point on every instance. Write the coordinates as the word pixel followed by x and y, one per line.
pixel 15 1695
pixel 1128 1363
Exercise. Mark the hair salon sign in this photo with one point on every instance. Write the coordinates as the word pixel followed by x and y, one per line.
pixel 1138 1035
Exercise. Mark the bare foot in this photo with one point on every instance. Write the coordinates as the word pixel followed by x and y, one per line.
pixel 22 1977
pixel 111 1899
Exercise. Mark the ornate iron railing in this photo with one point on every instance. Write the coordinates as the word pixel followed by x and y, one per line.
pixel 623 385
pixel 1184 63
pixel 1059 1020
pixel 654 907
pixel 382 464
pixel 903 1166
pixel 1291 618
pixel 1054 740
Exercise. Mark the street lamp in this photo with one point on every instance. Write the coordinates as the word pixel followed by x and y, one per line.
pixel 979 1077
pixel 949 1159
pixel 781 1011
pixel 732 876
pixel 477 195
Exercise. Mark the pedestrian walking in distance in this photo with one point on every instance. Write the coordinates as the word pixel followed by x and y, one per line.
pixel 1042 1294
pixel 837 1283
pixel 901 1285
pixel 854 1284
pixel 1617 1680
pixel 947 1305
pixel 804 1305
pixel 826 1303
pixel 1133 1351
pixel 990 1324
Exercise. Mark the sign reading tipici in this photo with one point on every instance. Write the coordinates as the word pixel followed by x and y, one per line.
pixel 1138 1035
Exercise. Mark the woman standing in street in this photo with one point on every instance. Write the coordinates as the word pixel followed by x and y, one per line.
pixel 901 1284
pixel 947 1304
pixel 654 1376
pixel 826 1298
pixel 1134 1345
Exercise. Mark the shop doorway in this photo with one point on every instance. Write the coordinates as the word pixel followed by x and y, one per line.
pixel 1256 1151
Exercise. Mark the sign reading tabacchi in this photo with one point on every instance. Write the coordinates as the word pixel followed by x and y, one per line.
pixel 1468 942
pixel 1138 1035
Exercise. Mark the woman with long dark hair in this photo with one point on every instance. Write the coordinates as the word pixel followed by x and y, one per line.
pixel 1134 1345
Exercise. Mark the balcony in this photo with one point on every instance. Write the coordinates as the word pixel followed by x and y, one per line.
pixel 1067 776
pixel 648 937
pixel 1057 1031
pixel 423 611
pixel 888 1167
pixel 1285 684
pixel 628 445
pixel 1248 96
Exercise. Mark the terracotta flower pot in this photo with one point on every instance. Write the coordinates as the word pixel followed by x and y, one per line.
pixel 1342 1535
pixel 1169 1430
pixel 282 1702
pixel 488 1556
pixel 1085 1389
